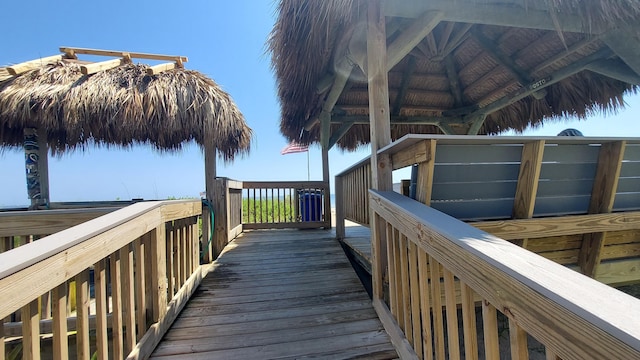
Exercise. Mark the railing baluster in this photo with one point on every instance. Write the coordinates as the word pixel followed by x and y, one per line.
pixel 490 330
pixel 128 298
pixel 398 278
pixel 436 293
pixel 183 255
pixel 148 281
pixel 170 273
pixel 518 341
pixel 59 310
pixel 469 322
pixel 2 350
pixel 158 269
pixel 452 314
pixel 415 296
pixel 100 286
pixel 82 315
pixel 406 294
pixel 427 334
pixel 176 258
pixel 393 284
pixel 141 306
pixel 116 305
pixel 194 242
pixel 30 331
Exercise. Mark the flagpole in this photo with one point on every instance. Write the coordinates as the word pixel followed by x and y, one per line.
pixel 308 173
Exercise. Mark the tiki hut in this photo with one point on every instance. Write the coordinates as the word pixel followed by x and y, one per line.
pixel 454 67
pixel 70 104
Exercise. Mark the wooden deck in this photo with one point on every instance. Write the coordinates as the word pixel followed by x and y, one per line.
pixel 279 294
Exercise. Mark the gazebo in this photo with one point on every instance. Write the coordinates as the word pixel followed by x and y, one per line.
pixel 60 104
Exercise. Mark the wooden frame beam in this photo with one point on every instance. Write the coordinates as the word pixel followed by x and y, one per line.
pixel 73 51
pixel 626 46
pixel 406 81
pixel 454 82
pixel 475 12
pixel 342 131
pixel 615 69
pixel 397 120
pixel 457 40
pixel 344 67
pixel 505 60
pixel 557 76
pixel 603 195
pixel 410 37
pixel 23 67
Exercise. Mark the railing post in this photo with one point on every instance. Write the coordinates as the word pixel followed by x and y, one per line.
pixel 221 216
pixel 340 230
pixel 159 272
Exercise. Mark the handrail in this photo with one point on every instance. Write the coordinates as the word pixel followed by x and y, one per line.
pixel 550 302
pixel 153 255
pixel 46 222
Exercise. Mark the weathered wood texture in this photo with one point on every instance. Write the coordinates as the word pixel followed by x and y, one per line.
pixel 555 305
pixel 278 294
pixel 129 252
pixel 355 182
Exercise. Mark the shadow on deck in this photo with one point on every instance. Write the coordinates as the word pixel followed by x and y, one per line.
pixel 279 294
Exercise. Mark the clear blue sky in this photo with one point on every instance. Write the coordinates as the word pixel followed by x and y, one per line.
pixel 224 40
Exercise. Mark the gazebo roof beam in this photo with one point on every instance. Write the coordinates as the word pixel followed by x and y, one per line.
pixel 337 135
pixel 626 46
pixel 564 53
pixel 72 51
pixel 344 67
pixel 454 82
pixel 527 90
pixel 406 81
pixel 411 36
pixel 457 40
pixel 446 34
pixel 23 67
pixel 506 61
pixel 475 12
pixel 397 120
pixel 616 69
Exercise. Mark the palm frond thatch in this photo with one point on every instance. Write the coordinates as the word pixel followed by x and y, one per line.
pixel 309 35
pixel 121 107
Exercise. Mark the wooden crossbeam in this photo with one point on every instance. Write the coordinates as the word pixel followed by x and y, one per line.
pixel 476 12
pixel 410 37
pixel 406 80
pixel 33 64
pixel 397 120
pixel 506 61
pixel 337 135
pixel 93 68
pixel 626 46
pixel 454 82
pixel 557 76
pixel 615 69
pixel 73 51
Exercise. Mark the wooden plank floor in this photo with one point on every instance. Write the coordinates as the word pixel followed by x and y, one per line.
pixel 279 294
pixel 358 242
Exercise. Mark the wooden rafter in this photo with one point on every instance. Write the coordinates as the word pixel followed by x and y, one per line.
pixel 411 36
pixel 626 46
pixel 454 82
pixel 454 42
pixel 476 12
pixel 557 76
pixel 337 135
pixel 72 51
pixel 34 64
pixel 505 60
pixel 445 35
pixel 615 69
pixel 406 81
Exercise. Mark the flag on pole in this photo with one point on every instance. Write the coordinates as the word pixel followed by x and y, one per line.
pixel 294 147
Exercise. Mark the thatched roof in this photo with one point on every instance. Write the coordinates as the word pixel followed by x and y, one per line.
pixel 479 56
pixel 120 106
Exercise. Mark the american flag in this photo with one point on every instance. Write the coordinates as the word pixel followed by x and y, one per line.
pixel 294 147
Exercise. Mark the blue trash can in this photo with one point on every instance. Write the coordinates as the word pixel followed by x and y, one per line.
pixel 310 206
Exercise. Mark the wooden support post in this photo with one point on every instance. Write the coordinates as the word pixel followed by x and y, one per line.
pixel 602 196
pixel 59 307
pixel 210 180
pixel 159 271
pixel 30 331
pixel 527 187
pixel 221 219
pixel 325 134
pixel 340 201
pixel 425 173
pixel 380 133
pixel 82 315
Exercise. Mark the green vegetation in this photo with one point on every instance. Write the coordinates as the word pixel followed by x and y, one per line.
pixel 268 210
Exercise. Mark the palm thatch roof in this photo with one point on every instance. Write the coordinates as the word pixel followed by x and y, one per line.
pixel 480 67
pixel 120 106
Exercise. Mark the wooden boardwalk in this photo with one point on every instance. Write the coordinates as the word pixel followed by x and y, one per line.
pixel 279 294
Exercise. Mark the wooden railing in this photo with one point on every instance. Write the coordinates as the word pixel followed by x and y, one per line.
pixel 436 262
pixel 352 200
pixel 19 228
pixel 144 261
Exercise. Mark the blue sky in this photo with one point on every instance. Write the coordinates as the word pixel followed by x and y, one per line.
pixel 224 40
